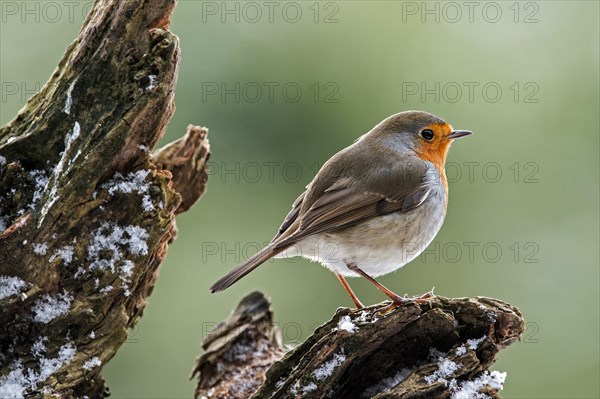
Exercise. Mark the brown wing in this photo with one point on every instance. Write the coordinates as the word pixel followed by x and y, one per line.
pixel 341 205
pixel 291 216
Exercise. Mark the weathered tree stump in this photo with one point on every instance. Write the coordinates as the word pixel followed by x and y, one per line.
pixel 438 349
pixel 86 209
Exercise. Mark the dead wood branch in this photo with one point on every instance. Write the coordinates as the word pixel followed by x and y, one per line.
pixel 431 350
pixel 85 212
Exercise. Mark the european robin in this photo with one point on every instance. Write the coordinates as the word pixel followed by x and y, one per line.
pixel 372 208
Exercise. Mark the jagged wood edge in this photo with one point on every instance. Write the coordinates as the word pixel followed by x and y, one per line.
pixel 103 110
pixel 378 349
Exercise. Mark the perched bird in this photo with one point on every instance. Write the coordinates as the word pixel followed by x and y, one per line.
pixel 372 207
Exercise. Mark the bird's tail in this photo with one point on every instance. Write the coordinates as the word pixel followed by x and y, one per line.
pixel 230 278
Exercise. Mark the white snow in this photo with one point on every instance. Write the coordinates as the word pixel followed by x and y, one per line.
pixel 58 169
pixel 13 385
pixel 108 248
pixel 132 183
pixel 114 239
pixel 19 382
pixel 2 161
pixel 40 249
pixel 328 367
pixel 127 269
pixel 137 240
pixel 152 83
pixel 474 343
pixel 311 386
pixel 92 335
pixel 93 362
pixel 49 307
pixel 446 367
pixel 470 389
pixel 367 317
pixel 294 388
pixel 471 344
pixel 345 323
pixel 10 286
pixel 69 100
pixel 363 317
pixel 47 391
pixel 320 373
pixel 49 366
pixel 72 160
pixel 38 348
pixel 41 180
pixel 65 253
pixel 465 389
pixel 147 203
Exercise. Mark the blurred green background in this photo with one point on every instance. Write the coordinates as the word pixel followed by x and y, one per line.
pixel 524 188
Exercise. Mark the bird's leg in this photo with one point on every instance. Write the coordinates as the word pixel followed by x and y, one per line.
pixel 355 299
pixel 397 300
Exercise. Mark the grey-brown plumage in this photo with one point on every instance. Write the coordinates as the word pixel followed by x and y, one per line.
pixel 383 190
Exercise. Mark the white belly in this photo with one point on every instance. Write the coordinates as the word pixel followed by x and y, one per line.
pixel 378 246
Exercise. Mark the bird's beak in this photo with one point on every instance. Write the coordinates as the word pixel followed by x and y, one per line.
pixel 458 133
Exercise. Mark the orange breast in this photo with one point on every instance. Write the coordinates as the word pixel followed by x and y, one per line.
pixel 435 151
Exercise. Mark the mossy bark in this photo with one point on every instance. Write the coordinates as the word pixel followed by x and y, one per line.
pixel 391 356
pixel 85 252
pixel 87 210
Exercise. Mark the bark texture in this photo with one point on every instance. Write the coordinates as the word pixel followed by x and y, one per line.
pixel 86 209
pixel 239 351
pixel 440 348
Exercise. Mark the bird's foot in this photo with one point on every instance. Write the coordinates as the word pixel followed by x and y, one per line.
pixel 397 301
pixel 425 297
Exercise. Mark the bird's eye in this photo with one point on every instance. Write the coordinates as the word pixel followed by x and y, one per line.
pixel 427 134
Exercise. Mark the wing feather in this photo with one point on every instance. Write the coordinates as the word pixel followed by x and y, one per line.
pixel 291 216
pixel 340 207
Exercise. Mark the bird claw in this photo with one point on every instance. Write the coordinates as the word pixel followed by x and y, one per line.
pixel 424 298
pixel 396 302
pixel 401 300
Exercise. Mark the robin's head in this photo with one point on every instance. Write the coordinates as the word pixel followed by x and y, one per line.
pixel 426 134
